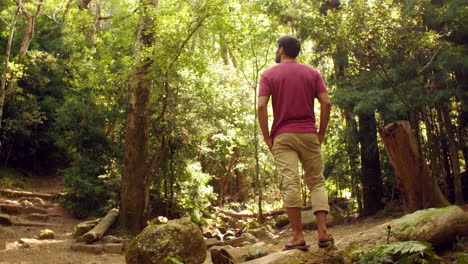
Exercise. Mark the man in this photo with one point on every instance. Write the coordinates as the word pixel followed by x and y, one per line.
pixel 293 87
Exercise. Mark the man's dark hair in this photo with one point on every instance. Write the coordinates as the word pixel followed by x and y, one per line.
pixel 291 46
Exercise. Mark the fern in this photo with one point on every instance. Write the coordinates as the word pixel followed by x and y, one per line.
pixel 173 260
pixel 398 252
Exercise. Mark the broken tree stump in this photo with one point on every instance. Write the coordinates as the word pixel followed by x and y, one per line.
pixel 416 182
pixel 100 229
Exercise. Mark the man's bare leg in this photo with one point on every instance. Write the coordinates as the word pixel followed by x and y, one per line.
pixel 321 218
pixel 294 215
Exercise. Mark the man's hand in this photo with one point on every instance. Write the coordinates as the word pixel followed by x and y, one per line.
pixel 269 143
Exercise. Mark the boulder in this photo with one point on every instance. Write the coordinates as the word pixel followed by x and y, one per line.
pixel 179 239
pixel 437 226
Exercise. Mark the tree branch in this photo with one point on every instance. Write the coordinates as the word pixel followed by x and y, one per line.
pixel 179 51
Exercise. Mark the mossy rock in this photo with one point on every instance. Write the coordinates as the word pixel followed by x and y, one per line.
pixel 178 239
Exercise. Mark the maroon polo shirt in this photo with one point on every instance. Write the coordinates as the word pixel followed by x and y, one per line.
pixel 293 87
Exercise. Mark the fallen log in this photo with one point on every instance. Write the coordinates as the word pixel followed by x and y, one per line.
pixel 332 202
pixel 246 215
pixel 438 226
pixel 100 229
pixel 12 193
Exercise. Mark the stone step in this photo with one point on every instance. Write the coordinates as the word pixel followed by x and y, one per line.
pixel 13 193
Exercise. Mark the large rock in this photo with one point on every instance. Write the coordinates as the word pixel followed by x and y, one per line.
pixel 436 225
pixel 179 239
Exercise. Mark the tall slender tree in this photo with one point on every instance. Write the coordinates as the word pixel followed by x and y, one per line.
pixel 136 180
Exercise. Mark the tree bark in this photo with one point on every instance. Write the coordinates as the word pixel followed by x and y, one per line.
pixel 100 229
pixel 370 165
pixel 136 180
pixel 417 184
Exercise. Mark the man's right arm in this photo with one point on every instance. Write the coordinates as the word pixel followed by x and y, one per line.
pixel 325 108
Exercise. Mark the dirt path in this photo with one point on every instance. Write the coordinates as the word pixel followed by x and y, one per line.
pixel 58 250
pixel 51 251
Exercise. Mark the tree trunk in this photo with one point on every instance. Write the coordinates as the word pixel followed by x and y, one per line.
pixel 370 165
pixel 419 189
pixel 5 65
pixel 7 91
pixel 454 157
pixel 136 180
pixel 224 188
pixel 240 186
pixel 352 149
pixel 435 150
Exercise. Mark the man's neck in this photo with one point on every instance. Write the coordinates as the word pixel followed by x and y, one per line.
pixel 286 59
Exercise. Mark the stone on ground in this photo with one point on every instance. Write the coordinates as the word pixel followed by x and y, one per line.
pixel 46 234
pixel 113 248
pixel 179 239
pixel 89 248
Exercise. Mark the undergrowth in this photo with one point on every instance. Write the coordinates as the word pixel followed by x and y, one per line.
pixel 11 179
pixel 407 252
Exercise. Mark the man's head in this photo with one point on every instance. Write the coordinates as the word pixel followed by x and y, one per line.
pixel 287 46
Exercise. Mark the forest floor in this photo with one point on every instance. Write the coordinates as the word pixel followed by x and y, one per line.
pixel 58 250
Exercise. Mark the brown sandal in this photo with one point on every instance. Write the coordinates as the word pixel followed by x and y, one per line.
pixel 326 243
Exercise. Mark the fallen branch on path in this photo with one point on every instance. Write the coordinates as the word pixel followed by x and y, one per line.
pixel 100 229
pixel 246 215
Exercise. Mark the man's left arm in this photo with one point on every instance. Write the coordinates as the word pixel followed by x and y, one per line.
pixel 325 108
pixel 262 108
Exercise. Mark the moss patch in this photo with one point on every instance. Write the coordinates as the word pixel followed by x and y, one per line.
pixel 405 226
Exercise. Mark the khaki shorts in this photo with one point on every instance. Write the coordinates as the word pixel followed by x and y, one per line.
pixel 288 149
